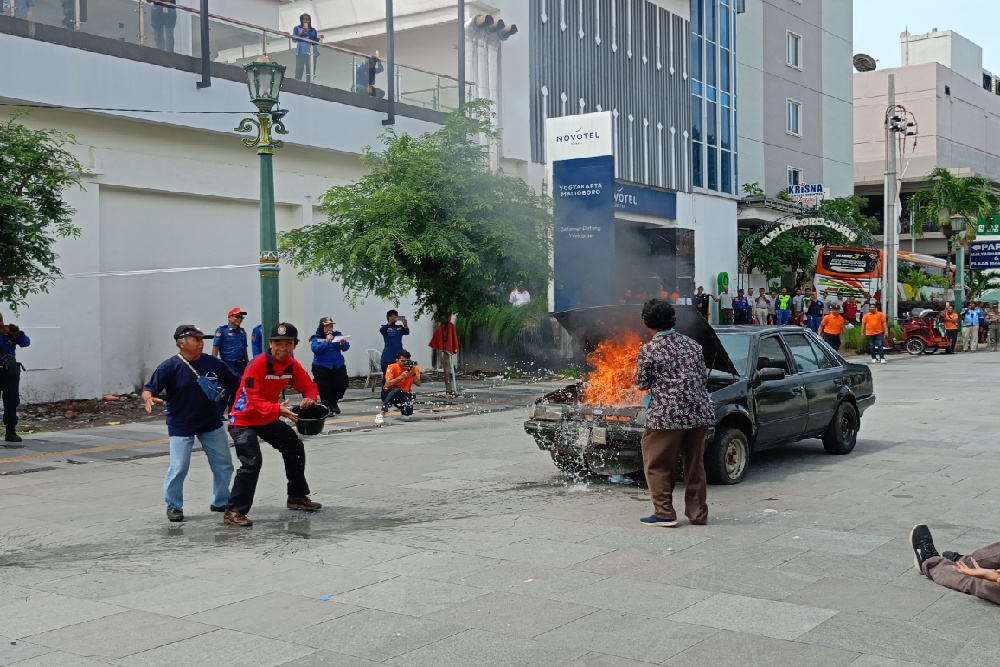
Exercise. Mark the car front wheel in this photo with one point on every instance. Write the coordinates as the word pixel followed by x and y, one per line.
pixel 727 457
pixel 842 433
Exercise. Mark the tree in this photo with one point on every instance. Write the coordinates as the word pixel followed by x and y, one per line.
pixel 431 218
pixel 35 171
pixel 980 282
pixel 970 197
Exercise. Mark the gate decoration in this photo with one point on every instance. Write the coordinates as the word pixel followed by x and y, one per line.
pixel 811 227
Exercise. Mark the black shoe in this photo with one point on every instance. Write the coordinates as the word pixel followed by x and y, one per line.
pixel 923 545
pixel 175 516
pixel 12 436
pixel 952 556
pixel 217 508
pixel 335 409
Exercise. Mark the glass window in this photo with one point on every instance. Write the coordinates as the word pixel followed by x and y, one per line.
pixel 794 176
pixel 727 179
pixel 823 356
pixel 710 93
pixel 724 27
pixel 793 50
pixel 696 120
pixel 725 98
pixel 710 64
pixel 696 164
pixel 770 354
pixel 710 124
pixel 710 20
pixel 724 70
pixel 725 116
pixel 738 348
pixel 793 120
pixel 713 169
pixel 696 9
pixel 696 87
pixel 802 353
pixel 696 58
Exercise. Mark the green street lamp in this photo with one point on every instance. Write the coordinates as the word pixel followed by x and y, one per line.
pixel 264 81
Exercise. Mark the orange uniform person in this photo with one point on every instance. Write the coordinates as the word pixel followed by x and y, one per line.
pixel 876 328
pixel 831 326
pixel 950 319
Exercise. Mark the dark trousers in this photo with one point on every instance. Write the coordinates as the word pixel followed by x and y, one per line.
pixel 952 335
pixel 282 437
pixel 661 449
pixel 398 398
pixel 163 20
pixel 10 394
pixel 332 383
pixel 833 340
pixel 876 345
pixel 943 571
pixel 303 66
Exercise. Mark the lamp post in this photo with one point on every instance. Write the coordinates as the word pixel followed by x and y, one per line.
pixel 264 81
pixel 957 238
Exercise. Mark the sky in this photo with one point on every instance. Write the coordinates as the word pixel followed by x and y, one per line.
pixel 878 24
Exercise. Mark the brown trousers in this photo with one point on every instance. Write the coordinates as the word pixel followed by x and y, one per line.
pixel 661 450
pixel 943 571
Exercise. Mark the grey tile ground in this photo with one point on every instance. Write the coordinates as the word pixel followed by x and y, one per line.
pixel 478 648
pixel 900 640
pixel 40 612
pixel 515 615
pixel 778 620
pixel 120 635
pixel 636 597
pixel 273 614
pixel 410 595
pixel 866 597
pixel 12 651
pixel 734 649
pixel 330 659
pixel 234 649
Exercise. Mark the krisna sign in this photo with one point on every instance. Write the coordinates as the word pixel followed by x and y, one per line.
pixel 789 225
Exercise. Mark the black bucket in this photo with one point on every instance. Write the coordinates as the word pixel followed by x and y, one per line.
pixel 312 419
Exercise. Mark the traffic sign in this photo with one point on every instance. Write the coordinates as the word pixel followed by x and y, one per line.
pixel 984 255
pixel 991 228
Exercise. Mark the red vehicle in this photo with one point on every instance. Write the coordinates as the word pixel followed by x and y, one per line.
pixel 923 333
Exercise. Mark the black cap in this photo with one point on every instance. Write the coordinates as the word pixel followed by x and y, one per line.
pixel 284 331
pixel 185 330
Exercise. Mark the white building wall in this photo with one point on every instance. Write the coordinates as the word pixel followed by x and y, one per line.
pixel 946 47
pixel 750 98
pixel 713 220
pixel 838 98
pixel 169 191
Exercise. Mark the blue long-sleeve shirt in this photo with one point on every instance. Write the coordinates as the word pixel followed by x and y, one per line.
pixel 10 342
pixel 365 76
pixel 392 338
pixel 303 47
pixel 328 355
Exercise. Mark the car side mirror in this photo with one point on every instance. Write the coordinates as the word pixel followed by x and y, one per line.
pixel 768 375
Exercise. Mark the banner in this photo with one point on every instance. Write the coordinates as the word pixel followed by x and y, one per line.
pixel 984 255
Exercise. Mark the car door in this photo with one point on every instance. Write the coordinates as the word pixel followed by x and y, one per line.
pixel 821 378
pixel 781 406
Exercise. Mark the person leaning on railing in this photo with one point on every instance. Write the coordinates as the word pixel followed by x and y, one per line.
pixel 306 49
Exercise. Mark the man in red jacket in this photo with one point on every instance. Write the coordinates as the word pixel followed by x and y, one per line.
pixel 256 413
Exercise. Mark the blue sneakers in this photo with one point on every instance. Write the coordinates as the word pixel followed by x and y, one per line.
pixel 653 520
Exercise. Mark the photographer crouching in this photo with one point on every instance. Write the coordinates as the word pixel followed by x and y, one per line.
pixel 11 338
pixel 399 379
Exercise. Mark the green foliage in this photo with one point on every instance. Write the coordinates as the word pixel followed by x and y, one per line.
pixel 430 218
pixel 915 278
pixel 853 340
pixel 35 171
pixel 980 282
pixel 505 326
pixel 784 196
pixel 572 372
pixel 971 197
pixel 753 189
pixel 849 210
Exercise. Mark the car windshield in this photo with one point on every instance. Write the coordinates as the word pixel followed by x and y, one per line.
pixel 738 347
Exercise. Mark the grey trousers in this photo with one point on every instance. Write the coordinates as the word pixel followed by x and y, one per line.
pixel 942 571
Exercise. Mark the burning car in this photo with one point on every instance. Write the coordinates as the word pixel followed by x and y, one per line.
pixel 770 386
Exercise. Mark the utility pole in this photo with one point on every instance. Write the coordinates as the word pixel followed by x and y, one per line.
pixel 461 53
pixel 890 235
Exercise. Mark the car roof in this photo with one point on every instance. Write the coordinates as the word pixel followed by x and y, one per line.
pixel 755 329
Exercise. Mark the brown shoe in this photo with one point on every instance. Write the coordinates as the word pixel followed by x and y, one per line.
pixel 236 519
pixel 302 503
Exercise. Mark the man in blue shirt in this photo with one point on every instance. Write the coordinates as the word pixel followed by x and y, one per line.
pixel 230 342
pixel 970 327
pixel 392 336
pixel 11 338
pixel 329 368
pixel 190 414
pixel 257 340
pixel 364 83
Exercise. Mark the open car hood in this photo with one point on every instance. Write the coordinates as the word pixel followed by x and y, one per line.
pixel 589 326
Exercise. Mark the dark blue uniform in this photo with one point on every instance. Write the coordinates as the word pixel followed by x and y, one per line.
pixel 10 385
pixel 232 344
pixel 257 340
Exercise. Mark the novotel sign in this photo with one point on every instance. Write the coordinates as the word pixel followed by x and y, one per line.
pixel 579 135
pixel 789 225
pixel 805 190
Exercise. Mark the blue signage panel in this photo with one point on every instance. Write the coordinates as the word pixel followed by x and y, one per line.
pixel 584 244
pixel 984 255
pixel 645 201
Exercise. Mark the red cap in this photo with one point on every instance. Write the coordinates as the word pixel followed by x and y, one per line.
pixel 237 311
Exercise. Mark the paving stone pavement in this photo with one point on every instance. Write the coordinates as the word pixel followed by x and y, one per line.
pixel 454 542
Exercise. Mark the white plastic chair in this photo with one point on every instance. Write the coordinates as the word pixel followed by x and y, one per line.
pixel 374 367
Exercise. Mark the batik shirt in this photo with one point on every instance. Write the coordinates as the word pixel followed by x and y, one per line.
pixel 672 367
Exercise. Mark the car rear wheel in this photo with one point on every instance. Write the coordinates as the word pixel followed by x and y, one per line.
pixel 727 457
pixel 915 346
pixel 842 433
pixel 571 464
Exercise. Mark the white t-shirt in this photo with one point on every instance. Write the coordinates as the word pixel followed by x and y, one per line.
pixel 519 298
pixel 726 300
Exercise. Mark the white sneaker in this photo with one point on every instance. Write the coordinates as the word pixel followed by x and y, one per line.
pixel 873 361
pixel 379 419
pixel 881 361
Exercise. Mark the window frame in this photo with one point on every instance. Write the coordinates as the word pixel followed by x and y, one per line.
pixel 788 338
pixel 789 175
pixel 789 104
pixel 784 350
pixel 798 50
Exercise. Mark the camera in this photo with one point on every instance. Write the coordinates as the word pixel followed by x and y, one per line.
pixel 13 329
pixel 408 364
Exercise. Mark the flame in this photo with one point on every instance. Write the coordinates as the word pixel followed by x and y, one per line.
pixel 610 383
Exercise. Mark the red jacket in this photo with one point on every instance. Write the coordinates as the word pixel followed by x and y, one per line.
pixel 260 390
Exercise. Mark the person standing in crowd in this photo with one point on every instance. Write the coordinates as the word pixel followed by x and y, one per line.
pixel 851 310
pixel 831 327
pixel 798 307
pixel 257 340
pixel 702 301
pixel 192 413
pixel 784 307
pixel 726 305
pixel 834 299
pixel 762 305
pixel 396 390
pixel 772 308
pixel 392 337
pixel 976 574
pixel 163 18
pixel 11 338
pixel 519 296
pixel 678 414
pixel 876 328
pixel 992 321
pixel 970 327
pixel 445 342
pixel 306 48
pixel 256 415
pixel 741 308
pixel 328 367
pixel 230 342
pixel 950 319
pixel 814 313
pixel 364 76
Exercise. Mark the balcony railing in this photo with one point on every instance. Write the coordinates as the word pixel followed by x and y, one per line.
pixel 177 29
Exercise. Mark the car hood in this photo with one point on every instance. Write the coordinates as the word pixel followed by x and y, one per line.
pixel 589 326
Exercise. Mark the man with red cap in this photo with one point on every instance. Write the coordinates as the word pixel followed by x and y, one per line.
pixel 230 342
pixel 257 413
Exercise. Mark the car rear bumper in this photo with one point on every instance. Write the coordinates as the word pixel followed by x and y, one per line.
pixel 865 402
pixel 607 451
